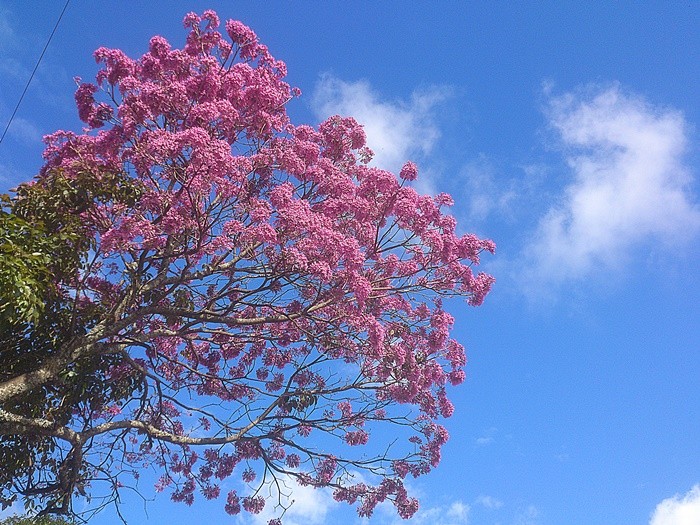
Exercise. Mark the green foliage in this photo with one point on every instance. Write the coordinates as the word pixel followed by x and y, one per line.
pixel 43 243
pixel 34 520
pixel 43 240
pixel 25 276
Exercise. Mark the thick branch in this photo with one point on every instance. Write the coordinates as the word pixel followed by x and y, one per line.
pixel 13 424
pixel 51 367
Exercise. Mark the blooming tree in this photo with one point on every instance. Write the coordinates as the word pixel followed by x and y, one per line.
pixel 255 300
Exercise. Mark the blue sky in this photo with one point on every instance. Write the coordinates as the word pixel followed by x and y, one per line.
pixel 568 133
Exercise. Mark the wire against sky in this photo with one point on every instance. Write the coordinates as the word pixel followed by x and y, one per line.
pixel 36 66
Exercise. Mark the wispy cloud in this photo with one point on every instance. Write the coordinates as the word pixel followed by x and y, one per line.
pixel 50 89
pixel 527 516
pixel 11 177
pixel 630 185
pixel 8 37
pixel 24 130
pixel 485 193
pixel 454 513
pixel 487 438
pixel 397 131
pixel 678 510
pixel 305 505
pixel 489 502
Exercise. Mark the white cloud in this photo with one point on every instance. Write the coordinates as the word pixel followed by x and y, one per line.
pixel 7 178
pixel 631 187
pixel 397 131
pixel 489 502
pixel 12 176
pixel 486 192
pixel 305 505
pixel 24 130
pixel 7 33
pixel 527 516
pixel 456 513
pixel 487 438
pixel 678 510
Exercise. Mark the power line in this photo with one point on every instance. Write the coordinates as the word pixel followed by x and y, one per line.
pixel 36 66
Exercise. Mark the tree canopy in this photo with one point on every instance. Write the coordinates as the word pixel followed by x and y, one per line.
pixel 213 291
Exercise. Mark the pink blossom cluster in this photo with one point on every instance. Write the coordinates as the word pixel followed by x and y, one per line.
pixel 389 489
pixel 260 259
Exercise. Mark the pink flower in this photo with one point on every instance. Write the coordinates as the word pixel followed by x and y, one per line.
pixel 249 475
pixel 233 505
pixel 409 171
pixel 357 437
pixel 254 504
pixel 293 460
pixel 240 33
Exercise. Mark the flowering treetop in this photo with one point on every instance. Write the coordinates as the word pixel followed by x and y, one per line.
pixel 272 300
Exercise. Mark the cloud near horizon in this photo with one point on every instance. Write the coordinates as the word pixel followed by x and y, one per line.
pixel 678 510
pixel 390 126
pixel 630 185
